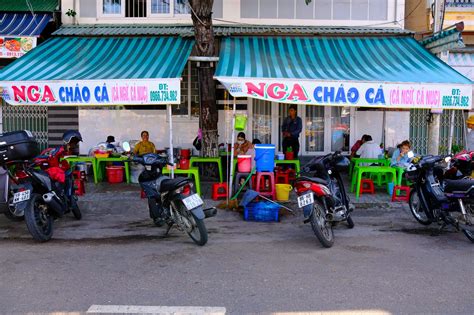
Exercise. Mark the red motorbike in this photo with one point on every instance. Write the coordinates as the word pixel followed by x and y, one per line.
pixel 323 197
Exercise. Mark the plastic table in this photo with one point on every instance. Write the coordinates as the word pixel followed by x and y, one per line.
pixel 371 170
pixel 296 163
pixel 84 159
pixel 197 159
pixel 358 161
pixel 191 171
pixel 400 170
pixel 123 159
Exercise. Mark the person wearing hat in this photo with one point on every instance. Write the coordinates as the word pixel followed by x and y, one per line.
pixel 470 133
pixel 110 141
pixel 291 129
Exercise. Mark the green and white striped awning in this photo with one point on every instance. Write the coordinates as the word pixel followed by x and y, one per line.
pixel 98 71
pixel 393 72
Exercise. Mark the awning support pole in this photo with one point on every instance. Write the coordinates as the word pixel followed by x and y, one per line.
pixel 171 157
pixel 451 132
pixel 232 150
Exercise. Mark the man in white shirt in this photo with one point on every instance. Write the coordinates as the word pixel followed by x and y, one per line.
pixel 370 149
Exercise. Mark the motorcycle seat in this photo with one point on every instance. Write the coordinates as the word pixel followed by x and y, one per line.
pixel 313 179
pixel 458 185
pixel 170 184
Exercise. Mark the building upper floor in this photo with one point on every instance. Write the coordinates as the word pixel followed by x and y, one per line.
pixel 386 13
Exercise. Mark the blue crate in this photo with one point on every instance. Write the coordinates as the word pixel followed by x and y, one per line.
pixel 262 211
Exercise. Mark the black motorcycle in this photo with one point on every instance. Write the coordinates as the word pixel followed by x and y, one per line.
pixel 435 199
pixel 28 191
pixel 172 201
pixel 323 197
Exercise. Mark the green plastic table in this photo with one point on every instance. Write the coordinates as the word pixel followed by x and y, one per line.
pixel 296 163
pixel 197 159
pixel 191 171
pixel 400 171
pixel 357 161
pixel 123 159
pixel 84 159
pixel 371 170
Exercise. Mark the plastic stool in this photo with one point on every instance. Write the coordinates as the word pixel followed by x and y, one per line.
pixel 79 187
pixel 216 194
pixel 239 177
pixel 405 197
pixel 142 194
pixel 260 185
pixel 370 186
pixel 282 177
pixel 291 175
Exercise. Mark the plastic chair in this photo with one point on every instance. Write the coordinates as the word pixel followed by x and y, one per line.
pixel 405 197
pixel 260 184
pixel 219 190
pixel 370 186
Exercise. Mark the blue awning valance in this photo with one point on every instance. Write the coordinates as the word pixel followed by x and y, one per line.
pixel 23 24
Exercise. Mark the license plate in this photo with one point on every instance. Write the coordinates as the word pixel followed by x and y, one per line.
pixel 21 196
pixel 305 200
pixel 192 201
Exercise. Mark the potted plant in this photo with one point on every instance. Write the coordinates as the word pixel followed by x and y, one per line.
pixel 289 154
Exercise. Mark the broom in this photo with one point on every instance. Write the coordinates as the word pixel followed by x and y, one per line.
pixel 233 203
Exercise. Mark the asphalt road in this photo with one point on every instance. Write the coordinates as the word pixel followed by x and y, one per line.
pixel 114 256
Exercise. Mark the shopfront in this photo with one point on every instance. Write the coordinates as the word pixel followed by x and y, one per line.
pixel 355 85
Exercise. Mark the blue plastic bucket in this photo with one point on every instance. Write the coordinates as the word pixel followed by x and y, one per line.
pixel 265 157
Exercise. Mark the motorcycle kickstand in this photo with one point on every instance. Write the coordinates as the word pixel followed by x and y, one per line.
pixel 170 225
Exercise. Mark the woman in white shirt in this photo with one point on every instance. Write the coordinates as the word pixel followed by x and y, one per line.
pixel 370 149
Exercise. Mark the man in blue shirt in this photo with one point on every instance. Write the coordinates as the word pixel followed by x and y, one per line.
pixel 291 129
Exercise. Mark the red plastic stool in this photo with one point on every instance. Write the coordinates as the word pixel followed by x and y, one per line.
pixel 260 185
pixel 405 197
pixel 282 177
pixel 291 175
pixel 219 190
pixel 370 186
pixel 79 175
pixel 142 194
pixel 79 187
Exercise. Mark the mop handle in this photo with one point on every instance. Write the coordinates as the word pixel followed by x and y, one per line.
pixel 277 204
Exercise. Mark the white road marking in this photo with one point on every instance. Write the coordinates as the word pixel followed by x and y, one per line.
pixel 162 310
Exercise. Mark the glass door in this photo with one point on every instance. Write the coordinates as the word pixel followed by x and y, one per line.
pixel 314 129
pixel 340 128
pixel 262 121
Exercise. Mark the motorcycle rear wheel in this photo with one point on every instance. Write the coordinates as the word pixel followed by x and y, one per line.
pixel 13 217
pixel 417 208
pixel 194 227
pixel 321 228
pixel 38 221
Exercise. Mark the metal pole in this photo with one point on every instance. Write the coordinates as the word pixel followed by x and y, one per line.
pixel 171 157
pixel 232 149
pixel 451 132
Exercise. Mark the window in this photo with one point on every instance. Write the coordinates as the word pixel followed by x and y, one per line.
pixel 112 6
pixel 135 8
pixel 189 106
pixel 160 6
pixel 317 9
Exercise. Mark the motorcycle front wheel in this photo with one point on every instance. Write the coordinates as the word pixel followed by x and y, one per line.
pixel 75 208
pixel 193 226
pixel 321 227
pixel 38 221
pixel 417 209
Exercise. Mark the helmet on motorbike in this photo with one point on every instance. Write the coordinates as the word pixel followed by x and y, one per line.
pixel 72 136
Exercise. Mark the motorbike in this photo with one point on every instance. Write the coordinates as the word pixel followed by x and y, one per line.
pixel 435 198
pixel 172 202
pixel 323 197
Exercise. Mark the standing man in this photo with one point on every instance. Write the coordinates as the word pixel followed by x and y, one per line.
pixel 291 129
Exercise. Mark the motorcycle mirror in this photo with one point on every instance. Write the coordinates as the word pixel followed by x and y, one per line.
pixel 447 159
pixel 126 146
pixel 410 154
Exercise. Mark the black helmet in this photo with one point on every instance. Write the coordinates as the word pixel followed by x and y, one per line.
pixel 72 135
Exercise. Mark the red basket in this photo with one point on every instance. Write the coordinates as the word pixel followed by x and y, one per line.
pixel 114 174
